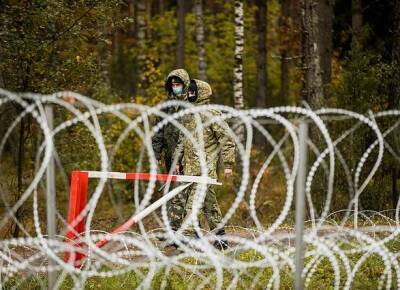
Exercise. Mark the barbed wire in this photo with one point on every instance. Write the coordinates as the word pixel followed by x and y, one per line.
pixel 329 235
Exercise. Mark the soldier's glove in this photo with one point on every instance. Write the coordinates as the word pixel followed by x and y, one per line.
pixel 228 172
pixel 192 91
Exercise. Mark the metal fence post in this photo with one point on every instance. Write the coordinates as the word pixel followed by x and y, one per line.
pixel 300 204
pixel 51 199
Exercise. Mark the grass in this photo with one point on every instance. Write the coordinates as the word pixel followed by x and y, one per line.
pixel 178 278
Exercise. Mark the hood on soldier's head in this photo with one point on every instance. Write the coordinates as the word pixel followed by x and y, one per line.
pixel 204 92
pixel 180 74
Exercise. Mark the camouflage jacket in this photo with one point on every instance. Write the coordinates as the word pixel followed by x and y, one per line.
pixel 165 140
pixel 215 138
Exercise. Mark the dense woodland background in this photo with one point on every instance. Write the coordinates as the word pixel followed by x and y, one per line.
pixel 256 53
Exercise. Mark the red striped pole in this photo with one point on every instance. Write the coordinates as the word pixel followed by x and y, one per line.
pixel 77 202
pixel 78 199
pixel 141 215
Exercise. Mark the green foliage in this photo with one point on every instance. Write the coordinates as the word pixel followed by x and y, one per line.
pixel 160 50
pixel 48 46
pixel 362 84
pixel 365 82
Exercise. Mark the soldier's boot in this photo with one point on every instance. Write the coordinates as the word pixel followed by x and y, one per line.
pixel 221 243
pixel 182 240
pixel 163 237
pixel 171 244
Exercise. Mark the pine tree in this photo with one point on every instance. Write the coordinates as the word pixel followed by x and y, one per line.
pixel 311 61
pixel 261 24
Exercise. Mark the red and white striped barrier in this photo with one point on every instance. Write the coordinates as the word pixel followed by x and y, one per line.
pixel 148 176
pixel 78 200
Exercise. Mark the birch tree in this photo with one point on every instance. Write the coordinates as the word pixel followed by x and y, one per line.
pixel 198 7
pixel 238 63
pixel 180 51
pixel 140 10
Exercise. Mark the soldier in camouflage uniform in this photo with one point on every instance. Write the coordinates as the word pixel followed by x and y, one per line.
pixel 216 141
pixel 165 140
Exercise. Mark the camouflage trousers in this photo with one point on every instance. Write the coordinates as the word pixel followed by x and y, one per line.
pixel 181 207
pixel 176 210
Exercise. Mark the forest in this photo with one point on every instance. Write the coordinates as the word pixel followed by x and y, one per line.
pixel 254 54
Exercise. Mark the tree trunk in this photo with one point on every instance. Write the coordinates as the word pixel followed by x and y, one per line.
pixel 394 99
pixel 131 13
pixel 395 193
pixel 25 86
pixel 238 63
pixel 141 23
pixel 148 15
pixel 2 85
pixel 285 64
pixel 325 20
pixel 141 38
pixel 180 52
pixel 356 18
pixel 161 7
pixel 311 63
pixel 238 77
pixel 21 151
pixel 1 80
pixel 261 24
pixel 395 96
pixel 200 40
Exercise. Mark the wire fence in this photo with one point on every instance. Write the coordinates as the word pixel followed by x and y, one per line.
pixel 307 143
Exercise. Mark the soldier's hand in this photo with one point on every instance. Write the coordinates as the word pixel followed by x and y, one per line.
pixel 176 171
pixel 228 172
pixel 69 99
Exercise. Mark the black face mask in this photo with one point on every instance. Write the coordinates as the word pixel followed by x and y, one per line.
pixel 192 92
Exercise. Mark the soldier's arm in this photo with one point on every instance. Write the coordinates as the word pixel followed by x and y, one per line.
pixel 179 150
pixel 226 142
pixel 158 140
